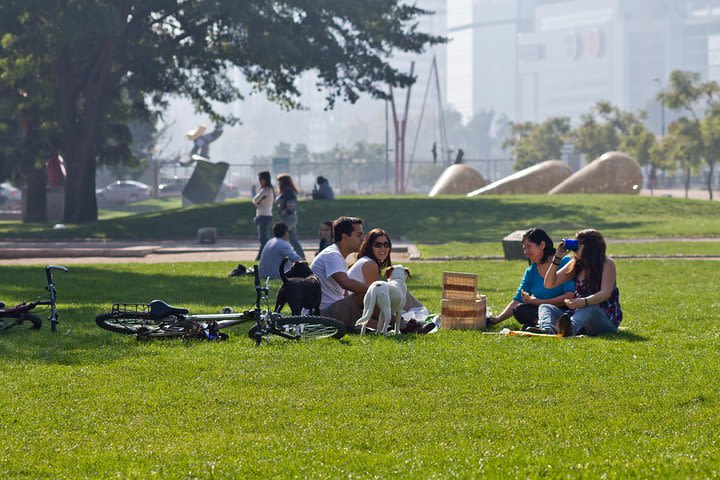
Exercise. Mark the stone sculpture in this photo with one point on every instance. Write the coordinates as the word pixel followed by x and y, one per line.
pixel 612 172
pixel 539 178
pixel 457 179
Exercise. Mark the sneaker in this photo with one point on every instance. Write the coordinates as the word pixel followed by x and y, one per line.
pixel 565 325
pixel 427 328
pixel 531 329
pixel 412 326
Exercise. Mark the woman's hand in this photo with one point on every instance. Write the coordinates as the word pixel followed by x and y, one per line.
pixel 560 250
pixel 575 303
pixel 527 297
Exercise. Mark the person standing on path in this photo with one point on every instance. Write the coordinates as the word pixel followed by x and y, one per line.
pixel 263 209
pixel 287 208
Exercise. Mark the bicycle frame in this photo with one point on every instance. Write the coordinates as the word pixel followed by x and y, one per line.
pixel 26 307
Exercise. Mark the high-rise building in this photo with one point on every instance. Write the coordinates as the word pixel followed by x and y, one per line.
pixel 533 59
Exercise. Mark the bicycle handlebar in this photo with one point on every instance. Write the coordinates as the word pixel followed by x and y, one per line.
pixel 49 269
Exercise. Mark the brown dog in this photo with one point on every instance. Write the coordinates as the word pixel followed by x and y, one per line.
pixel 300 289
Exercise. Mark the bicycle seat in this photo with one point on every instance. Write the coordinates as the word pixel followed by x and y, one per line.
pixel 160 309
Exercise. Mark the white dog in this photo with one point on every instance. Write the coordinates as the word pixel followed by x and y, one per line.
pixel 389 297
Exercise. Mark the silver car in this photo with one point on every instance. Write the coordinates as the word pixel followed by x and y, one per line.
pixel 123 191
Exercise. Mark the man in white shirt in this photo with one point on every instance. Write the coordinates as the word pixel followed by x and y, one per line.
pixel 331 269
pixel 275 250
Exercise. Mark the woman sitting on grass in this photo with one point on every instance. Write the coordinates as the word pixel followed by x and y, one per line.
pixel 596 307
pixel 538 248
pixel 373 258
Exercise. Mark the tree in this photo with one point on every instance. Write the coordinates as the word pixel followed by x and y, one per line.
pixel 639 143
pixel 96 64
pixel 532 143
pixel 603 129
pixel 701 101
pixel 683 147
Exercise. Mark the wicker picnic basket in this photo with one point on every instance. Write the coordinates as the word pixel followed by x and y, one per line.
pixel 461 306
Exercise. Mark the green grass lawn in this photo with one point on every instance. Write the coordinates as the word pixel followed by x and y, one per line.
pixel 421 219
pixel 86 403
pixel 639 248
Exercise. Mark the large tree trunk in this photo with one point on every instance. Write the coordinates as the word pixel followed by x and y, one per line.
pixel 35 197
pixel 82 148
pixel 80 201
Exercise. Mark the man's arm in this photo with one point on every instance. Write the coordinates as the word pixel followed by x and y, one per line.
pixel 358 288
pixel 287 251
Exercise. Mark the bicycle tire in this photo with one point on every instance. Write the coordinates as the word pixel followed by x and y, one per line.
pixel 129 323
pixel 305 327
pixel 10 322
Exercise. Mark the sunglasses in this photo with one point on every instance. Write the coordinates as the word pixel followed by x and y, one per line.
pixel 381 244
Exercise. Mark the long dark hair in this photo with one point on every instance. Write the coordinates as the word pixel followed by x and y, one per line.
pixel 366 248
pixel 266 176
pixel 537 236
pixel 592 260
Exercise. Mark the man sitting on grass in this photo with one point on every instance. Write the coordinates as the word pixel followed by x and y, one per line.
pixel 331 269
pixel 275 250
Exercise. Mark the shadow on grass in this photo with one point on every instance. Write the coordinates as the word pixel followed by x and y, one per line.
pixel 627 336
pixel 88 291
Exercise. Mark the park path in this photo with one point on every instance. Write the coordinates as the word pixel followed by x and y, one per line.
pixel 233 251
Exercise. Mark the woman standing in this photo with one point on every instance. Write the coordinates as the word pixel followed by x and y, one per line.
pixel 538 248
pixel 263 201
pixel 287 207
pixel 596 306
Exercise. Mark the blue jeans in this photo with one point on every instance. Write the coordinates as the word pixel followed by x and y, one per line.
pixel 291 222
pixel 590 320
pixel 263 223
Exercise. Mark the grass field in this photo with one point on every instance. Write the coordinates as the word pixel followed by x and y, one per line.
pixel 635 248
pixel 86 403
pixel 420 219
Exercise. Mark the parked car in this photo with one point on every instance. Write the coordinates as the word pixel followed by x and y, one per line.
pixel 10 197
pixel 172 187
pixel 123 191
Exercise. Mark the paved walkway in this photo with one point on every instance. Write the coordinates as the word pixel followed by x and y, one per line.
pixel 164 251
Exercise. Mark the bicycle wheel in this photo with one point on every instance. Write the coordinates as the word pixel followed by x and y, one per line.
pixel 9 322
pixel 133 323
pixel 304 327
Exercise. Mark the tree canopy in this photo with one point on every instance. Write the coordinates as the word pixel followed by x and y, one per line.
pixel 75 72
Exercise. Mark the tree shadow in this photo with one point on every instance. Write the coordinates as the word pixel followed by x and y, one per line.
pixel 626 336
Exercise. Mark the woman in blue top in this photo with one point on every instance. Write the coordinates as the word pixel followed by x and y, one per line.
pixel 538 248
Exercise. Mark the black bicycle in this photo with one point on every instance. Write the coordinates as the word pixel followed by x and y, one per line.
pixel 157 319
pixel 17 315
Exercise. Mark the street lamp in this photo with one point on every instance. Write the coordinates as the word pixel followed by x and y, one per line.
pixel 653 172
pixel 662 107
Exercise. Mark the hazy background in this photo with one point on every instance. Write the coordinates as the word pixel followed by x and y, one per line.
pixel 506 60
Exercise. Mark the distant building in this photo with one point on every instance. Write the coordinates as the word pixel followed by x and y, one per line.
pixel 533 59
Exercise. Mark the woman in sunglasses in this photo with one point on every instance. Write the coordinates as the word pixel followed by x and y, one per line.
pixel 373 258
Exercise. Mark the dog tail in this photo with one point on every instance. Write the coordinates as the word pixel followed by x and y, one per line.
pixel 368 307
pixel 282 270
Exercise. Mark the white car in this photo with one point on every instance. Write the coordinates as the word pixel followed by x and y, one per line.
pixel 123 191
pixel 10 197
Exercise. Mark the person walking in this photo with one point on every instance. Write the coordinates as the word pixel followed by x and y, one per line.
pixel 263 201
pixel 287 208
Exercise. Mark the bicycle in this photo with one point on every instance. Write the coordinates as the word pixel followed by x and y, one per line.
pixel 17 315
pixel 157 319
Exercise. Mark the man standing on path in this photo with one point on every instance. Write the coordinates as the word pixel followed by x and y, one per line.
pixel 275 250
pixel 331 269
